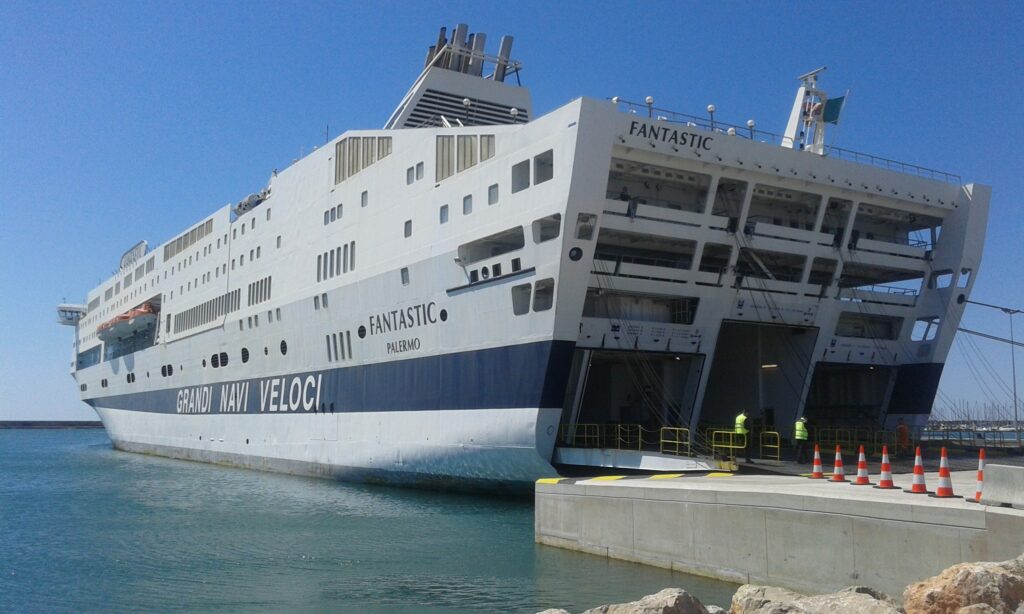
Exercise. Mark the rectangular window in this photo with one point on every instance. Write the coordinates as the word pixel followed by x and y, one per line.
pixel 316 302
pixel 352 255
pixel 445 150
pixel 333 213
pixel 405 276
pixel 521 299
pixel 383 147
pixel 543 167
pixel 486 147
pixel 419 171
pixel 925 329
pixel 364 199
pixel 279 241
pixel 327 217
pixel 547 228
pixel 492 194
pixel 330 267
pixel 442 215
pixel 521 176
pixel 344 267
pixel 410 174
pixel 544 295
pixel 467 151
pixel 467 204
pixel 319 266
pixel 408 228
pixel 492 246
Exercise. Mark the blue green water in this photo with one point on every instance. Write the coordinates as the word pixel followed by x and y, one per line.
pixel 86 528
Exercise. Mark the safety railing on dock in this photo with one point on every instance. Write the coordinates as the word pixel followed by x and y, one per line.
pixel 771 445
pixel 675 440
pixel 725 443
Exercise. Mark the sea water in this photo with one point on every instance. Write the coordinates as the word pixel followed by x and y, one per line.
pixel 84 527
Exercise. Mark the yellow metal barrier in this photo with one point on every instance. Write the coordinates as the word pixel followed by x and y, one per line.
pixel 885 438
pixel 771 445
pixel 675 441
pixel 582 435
pixel 726 442
pixel 627 436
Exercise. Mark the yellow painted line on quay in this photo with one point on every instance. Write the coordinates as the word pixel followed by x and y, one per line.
pixel 549 480
pixel 666 476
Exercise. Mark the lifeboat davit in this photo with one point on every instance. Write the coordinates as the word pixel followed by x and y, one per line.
pixel 128 323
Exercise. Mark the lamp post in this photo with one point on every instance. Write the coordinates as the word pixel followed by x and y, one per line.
pixel 1013 362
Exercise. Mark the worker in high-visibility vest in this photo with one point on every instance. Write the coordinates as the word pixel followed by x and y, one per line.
pixel 741 429
pixel 800 437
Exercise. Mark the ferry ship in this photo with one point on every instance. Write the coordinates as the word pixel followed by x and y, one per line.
pixel 454 299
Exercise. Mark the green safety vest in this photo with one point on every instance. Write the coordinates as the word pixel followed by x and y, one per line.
pixel 801 431
pixel 741 424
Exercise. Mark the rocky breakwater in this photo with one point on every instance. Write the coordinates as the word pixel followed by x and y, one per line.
pixel 966 588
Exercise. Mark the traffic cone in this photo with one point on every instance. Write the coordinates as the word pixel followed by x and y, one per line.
pixel 837 473
pixel 885 480
pixel 981 475
pixel 862 470
pixel 918 487
pixel 945 489
pixel 816 472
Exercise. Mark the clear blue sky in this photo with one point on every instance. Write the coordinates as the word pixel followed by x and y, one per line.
pixel 131 120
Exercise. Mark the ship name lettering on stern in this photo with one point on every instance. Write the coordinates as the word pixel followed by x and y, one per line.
pixel 290 393
pixel 195 400
pixel 667 134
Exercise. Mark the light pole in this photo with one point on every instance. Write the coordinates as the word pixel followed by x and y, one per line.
pixel 1013 361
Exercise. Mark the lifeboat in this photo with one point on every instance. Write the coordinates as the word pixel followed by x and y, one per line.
pixel 128 323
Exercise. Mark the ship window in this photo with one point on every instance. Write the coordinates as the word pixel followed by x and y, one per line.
pixel 547 228
pixel 330 265
pixel 323 300
pixel 277 312
pixel 252 223
pixel 268 214
pixel 383 146
pixel 316 302
pixel 214 360
pixel 715 257
pixel 521 299
pixel 496 269
pixel 344 267
pixel 410 174
pixel 408 228
pixel 279 241
pixel 252 254
pixel 333 214
pixel 474 276
pixel 243 232
pixel 327 217
pixel 352 256
pixel 234 233
pixel 467 204
pixel 443 214
pixel 543 167
pixel 925 329
pixel 223 359
pixel 405 276
pixel 516 265
pixel 585 224
pixel 492 194
pixel 467 151
pixel 942 279
pixel 486 147
pixel 364 199
pixel 419 171
pixel 544 294
pixel 241 260
pixel 492 245
pixel 319 266
pixel 445 150
pixel 284 347
pixel 245 355
pixel 965 278
pixel 257 251
pixel 521 176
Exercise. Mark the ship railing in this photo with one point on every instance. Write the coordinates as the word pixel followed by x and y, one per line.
pixel 763 136
pixel 725 443
pixel 882 289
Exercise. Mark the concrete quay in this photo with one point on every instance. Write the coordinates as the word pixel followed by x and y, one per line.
pixel 807 535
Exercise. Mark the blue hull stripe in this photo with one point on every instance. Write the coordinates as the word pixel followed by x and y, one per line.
pixel 527 375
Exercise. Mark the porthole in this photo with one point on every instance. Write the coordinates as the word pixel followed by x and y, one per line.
pixel 284 347
pixel 245 355
pixel 223 359
pixel 361 332
pixel 214 360
pixel 204 363
pixel 444 315
pixel 575 254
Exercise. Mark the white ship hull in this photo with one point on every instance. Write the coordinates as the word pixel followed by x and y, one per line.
pixel 491 449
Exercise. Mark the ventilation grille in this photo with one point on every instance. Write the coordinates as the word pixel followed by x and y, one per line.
pixel 433 104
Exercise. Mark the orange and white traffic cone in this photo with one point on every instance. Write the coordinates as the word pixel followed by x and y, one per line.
pixel 816 472
pixel 837 473
pixel 918 487
pixel 862 470
pixel 981 475
pixel 945 489
pixel 885 479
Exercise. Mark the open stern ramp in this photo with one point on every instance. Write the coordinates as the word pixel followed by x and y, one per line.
pixel 637 460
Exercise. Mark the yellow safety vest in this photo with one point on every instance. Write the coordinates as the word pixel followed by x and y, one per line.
pixel 741 424
pixel 801 431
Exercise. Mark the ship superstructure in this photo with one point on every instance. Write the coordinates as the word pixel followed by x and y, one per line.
pixel 438 300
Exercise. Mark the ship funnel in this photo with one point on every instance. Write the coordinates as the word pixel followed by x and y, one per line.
pixel 504 51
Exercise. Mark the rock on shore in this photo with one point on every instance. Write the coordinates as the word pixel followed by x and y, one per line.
pixel 967 588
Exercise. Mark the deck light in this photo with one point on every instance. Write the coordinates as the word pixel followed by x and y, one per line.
pixel 770 366
pixel 711 112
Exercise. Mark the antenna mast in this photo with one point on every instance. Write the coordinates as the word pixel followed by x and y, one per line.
pixel 806 128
